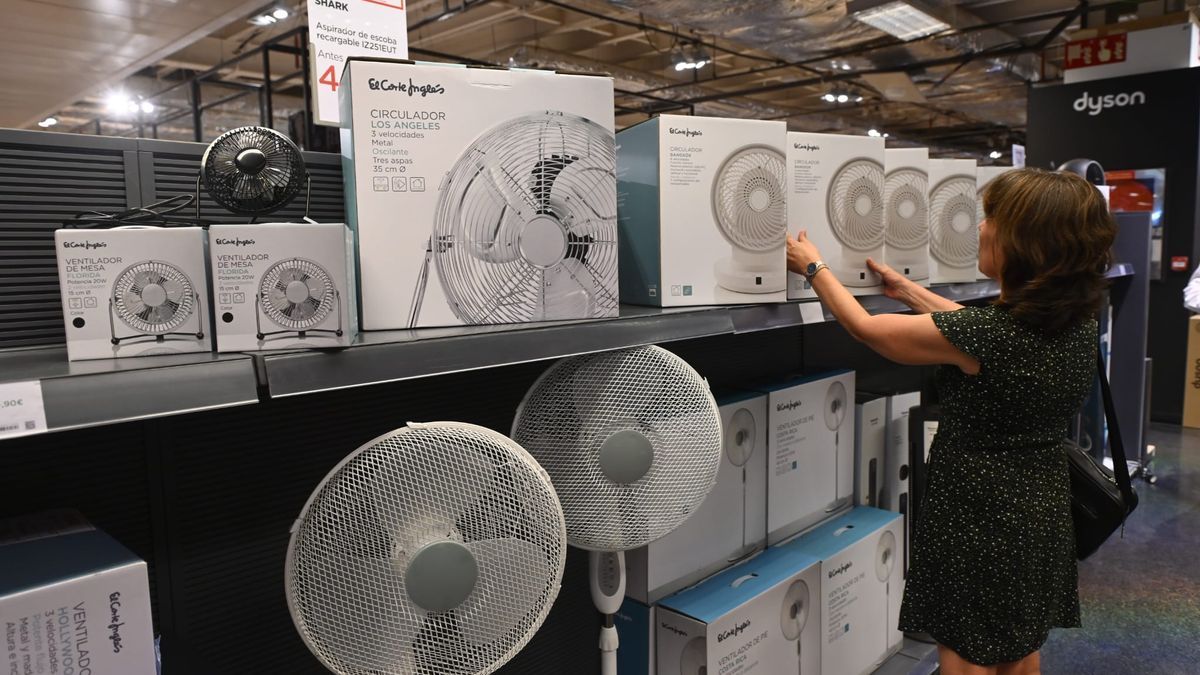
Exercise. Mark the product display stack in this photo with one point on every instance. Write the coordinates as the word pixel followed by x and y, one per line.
pixel 953 229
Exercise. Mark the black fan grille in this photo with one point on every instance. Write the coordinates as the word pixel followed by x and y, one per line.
pixel 252 193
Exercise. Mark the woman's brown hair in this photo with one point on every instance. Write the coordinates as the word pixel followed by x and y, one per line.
pixel 1054 237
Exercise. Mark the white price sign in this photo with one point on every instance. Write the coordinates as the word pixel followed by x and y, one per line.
pixel 1018 153
pixel 338 29
pixel 21 409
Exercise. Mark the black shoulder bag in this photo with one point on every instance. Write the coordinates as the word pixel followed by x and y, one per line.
pixel 1100 499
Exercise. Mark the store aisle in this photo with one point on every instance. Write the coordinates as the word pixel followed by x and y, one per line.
pixel 1141 594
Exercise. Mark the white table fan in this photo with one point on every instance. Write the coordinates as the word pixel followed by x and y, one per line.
pixel 750 209
pixel 854 208
pixel 906 192
pixel 155 300
pixel 952 240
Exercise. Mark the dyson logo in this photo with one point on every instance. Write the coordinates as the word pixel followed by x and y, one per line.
pixel 236 241
pixel 89 245
pixel 674 131
pixel 834 572
pixel 411 88
pixel 673 629
pixel 787 407
pixel 806 146
pixel 1094 105
pixel 733 632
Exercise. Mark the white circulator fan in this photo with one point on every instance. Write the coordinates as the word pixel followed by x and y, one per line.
pixel 694 660
pixel 835 414
pixel 740 438
pixel 793 616
pixel 433 549
pixel 885 564
pixel 750 208
pixel 297 295
pixel 906 192
pixel 952 237
pixel 154 299
pixel 854 207
pixel 631 440
pixel 526 224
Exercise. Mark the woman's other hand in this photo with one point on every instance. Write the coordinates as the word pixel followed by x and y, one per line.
pixel 801 252
pixel 893 282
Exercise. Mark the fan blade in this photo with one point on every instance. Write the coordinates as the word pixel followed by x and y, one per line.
pixel 503 187
pixel 544 173
pixel 512 574
pixel 568 291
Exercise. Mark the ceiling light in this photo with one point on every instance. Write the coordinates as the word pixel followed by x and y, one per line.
pixel 858 99
pixel 995 154
pixel 902 18
pixel 280 13
pixel 147 107
pixel 885 134
pixel 48 122
pixel 873 133
pixel 263 20
pixel 131 107
pixel 847 66
pixel 691 58
pixel 842 98
pixel 117 102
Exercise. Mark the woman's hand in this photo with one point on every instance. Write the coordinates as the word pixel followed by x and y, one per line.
pixel 894 283
pixel 801 252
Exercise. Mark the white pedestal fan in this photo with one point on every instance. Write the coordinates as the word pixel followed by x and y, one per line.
pixel 750 209
pixel 854 208
pixel 694 660
pixel 793 617
pixel 836 403
pixel 740 436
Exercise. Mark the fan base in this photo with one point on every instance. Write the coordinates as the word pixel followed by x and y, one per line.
pixel 739 279
pixel 857 278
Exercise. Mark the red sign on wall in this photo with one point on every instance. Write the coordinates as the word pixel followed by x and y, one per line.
pixel 1097 51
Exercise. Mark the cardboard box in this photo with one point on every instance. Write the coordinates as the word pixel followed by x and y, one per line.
pixel 870 448
pixel 836 193
pixel 953 230
pixel 479 195
pixel 72 599
pixel 703 211
pixel 283 285
pixel 1191 393
pixel 729 526
pixel 133 291
pixel 984 175
pixel 763 616
pixel 862 586
pixel 897 495
pixel 906 212
pixel 636 629
pixel 810 472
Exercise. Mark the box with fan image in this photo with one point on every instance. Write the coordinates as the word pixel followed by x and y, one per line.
pixel 479 195
pixel 762 616
pixel 984 175
pixel 72 599
pixel 729 526
pixel 836 193
pixel 906 212
pixel 133 291
pixel 703 211
pixel 810 438
pixel 870 448
pixel 282 286
pixel 953 229
pixel 860 589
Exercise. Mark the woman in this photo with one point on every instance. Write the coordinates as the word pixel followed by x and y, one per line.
pixel 992 568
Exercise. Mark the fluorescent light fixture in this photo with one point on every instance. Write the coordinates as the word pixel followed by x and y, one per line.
pixel 48 122
pixel 858 99
pixel 829 98
pixel 843 98
pixel 280 13
pixel 118 102
pixel 846 66
pixel 904 19
pixel 995 154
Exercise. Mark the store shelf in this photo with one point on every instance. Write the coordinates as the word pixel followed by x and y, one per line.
pixel 914 658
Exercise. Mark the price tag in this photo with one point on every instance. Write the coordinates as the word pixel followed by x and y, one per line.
pixel 339 29
pixel 811 312
pixel 21 409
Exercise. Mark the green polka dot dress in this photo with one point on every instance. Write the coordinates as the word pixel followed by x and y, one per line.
pixel 992 568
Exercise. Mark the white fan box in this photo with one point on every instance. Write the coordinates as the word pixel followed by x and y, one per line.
pixel 133 291
pixel 283 285
pixel 729 526
pixel 953 230
pixel 983 176
pixel 896 495
pixel 870 448
pixel 836 193
pixel 72 600
pixel 906 212
pixel 636 627
pixel 810 470
pixel 861 588
pixel 702 211
pixel 479 195
pixel 762 616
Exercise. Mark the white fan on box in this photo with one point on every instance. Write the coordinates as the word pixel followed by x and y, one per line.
pixel 155 299
pixel 836 403
pixel 436 548
pixel 854 207
pixel 885 570
pixel 906 192
pixel 526 224
pixel 793 616
pixel 740 439
pixel 750 209
pixel 694 659
pixel 952 238
pixel 297 295
pixel 631 440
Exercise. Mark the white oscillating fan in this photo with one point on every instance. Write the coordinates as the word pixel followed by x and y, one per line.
pixel 297 295
pixel 835 416
pixel 632 442
pixel 740 438
pixel 155 299
pixel 906 195
pixel 952 237
pixel 793 616
pixel 694 660
pixel 885 565
pixel 750 209
pixel 526 224
pixel 436 548
pixel 854 207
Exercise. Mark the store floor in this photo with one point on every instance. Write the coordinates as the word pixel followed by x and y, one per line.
pixel 1141 594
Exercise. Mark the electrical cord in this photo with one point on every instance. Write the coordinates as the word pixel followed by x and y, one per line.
pixel 156 214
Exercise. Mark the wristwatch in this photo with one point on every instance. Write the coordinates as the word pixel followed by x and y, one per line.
pixel 813 268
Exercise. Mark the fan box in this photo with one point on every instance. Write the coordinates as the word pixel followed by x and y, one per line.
pixel 897 495
pixel 762 616
pixel 702 204
pixel 953 230
pixel 836 193
pixel 870 448
pixel 72 600
pixel 906 212
pixel 133 291
pixel 810 470
pixel 861 588
pixel 729 526
pixel 479 195
pixel 983 176
pixel 283 285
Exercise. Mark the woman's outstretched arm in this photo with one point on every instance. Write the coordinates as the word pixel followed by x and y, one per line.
pixel 899 287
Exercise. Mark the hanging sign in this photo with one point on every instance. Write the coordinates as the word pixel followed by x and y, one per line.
pixel 338 29
pixel 1097 51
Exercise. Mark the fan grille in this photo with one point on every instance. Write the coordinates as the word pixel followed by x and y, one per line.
pixel 749 202
pixel 296 294
pixel 526 223
pixel 246 193
pixel 350 547
pixel 952 239
pixel 580 401
pixel 153 297
pixel 907 215
pixel 855 204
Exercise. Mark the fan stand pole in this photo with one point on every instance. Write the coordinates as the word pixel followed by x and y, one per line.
pixel 112 327
pixel 800 654
pixel 607 573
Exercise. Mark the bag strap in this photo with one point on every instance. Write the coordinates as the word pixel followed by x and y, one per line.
pixel 1115 444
